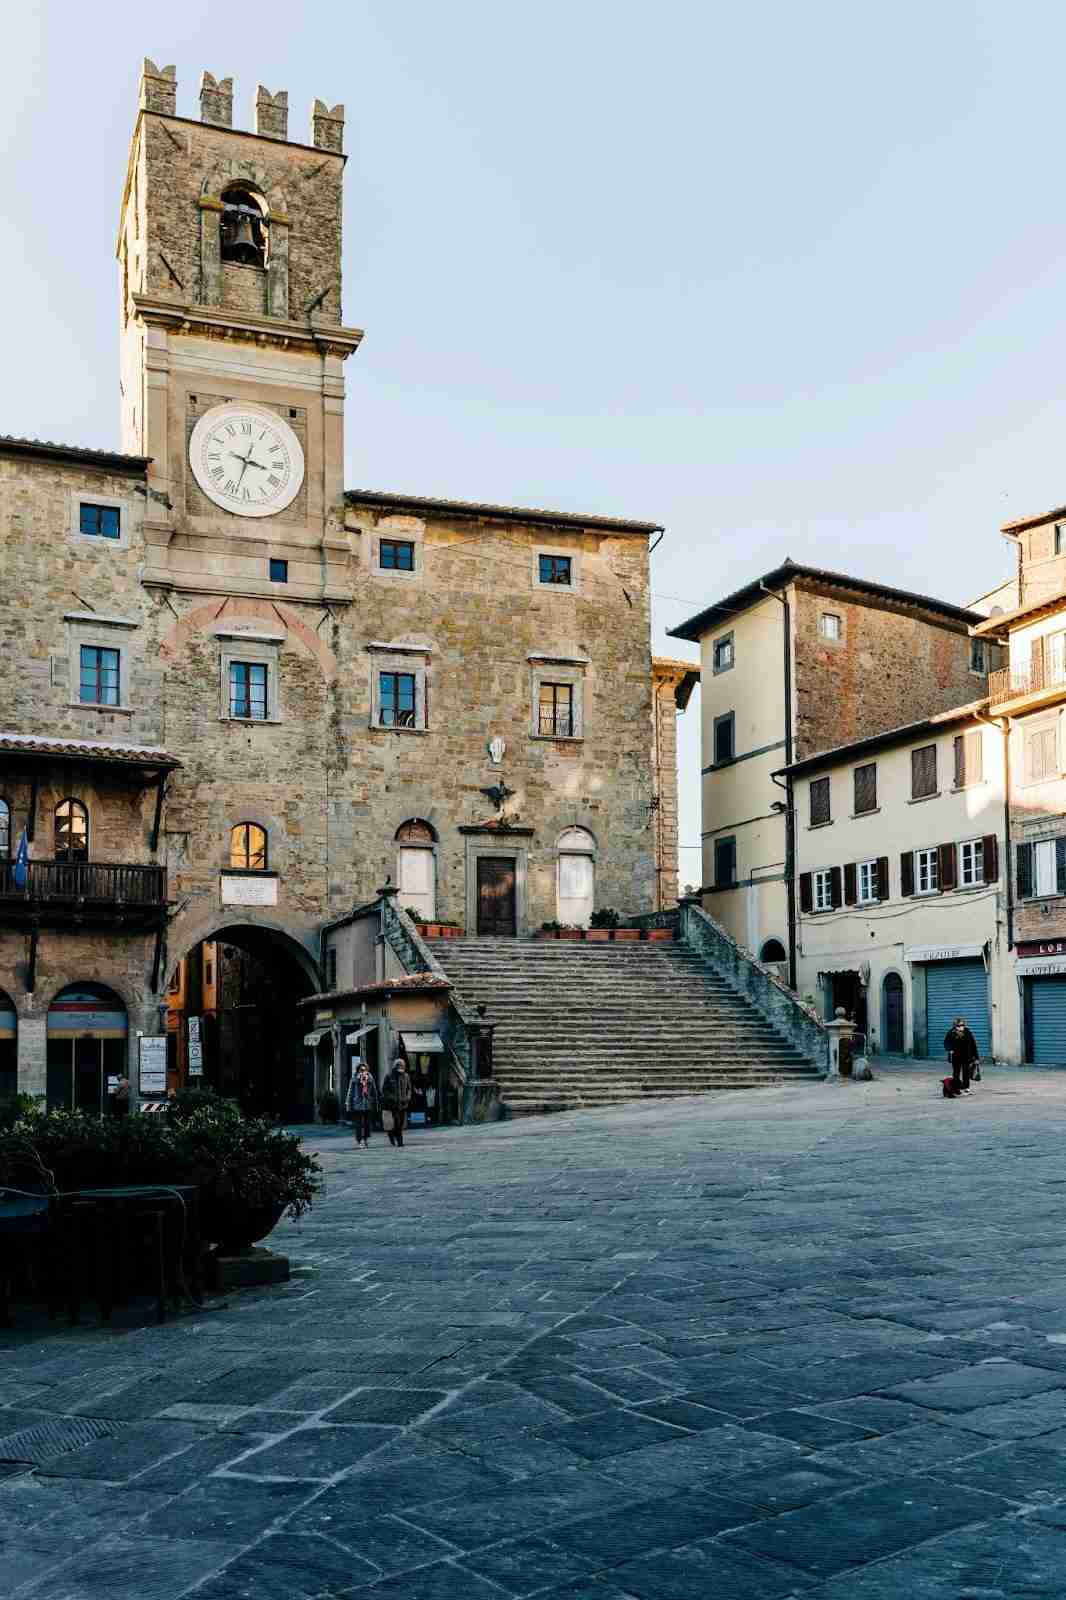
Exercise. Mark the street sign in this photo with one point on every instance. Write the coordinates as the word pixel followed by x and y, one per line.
pixel 196 1049
pixel 153 1064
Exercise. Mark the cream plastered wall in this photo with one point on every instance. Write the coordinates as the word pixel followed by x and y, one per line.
pixel 879 934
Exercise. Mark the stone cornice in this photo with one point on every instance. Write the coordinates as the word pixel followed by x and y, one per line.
pixel 216 322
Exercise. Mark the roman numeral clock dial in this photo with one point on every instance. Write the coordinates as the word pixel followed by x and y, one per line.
pixel 246 460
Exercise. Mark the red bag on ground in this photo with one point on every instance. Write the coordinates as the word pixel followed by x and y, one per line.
pixel 950 1088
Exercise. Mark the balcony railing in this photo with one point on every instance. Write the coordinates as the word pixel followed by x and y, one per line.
pixel 1012 683
pixel 101 886
pixel 557 724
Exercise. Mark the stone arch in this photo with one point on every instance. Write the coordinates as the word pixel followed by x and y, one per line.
pixel 772 950
pixel 87 1027
pixel 416 867
pixel 250 931
pixel 575 893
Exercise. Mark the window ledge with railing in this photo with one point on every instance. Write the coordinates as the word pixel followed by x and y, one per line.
pixel 1013 683
pixel 84 888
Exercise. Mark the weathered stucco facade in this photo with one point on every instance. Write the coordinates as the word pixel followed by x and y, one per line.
pixel 481 671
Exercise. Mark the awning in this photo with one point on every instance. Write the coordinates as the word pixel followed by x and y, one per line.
pixel 313 1038
pixel 942 952
pixel 360 1033
pixel 423 1044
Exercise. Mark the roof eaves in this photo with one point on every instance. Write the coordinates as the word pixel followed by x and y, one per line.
pixel 49 449
pixel 880 741
pixel 476 508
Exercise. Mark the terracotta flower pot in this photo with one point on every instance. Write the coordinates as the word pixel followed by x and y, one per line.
pixel 598 935
pixel 659 935
pixel 547 933
pixel 570 933
pixel 626 935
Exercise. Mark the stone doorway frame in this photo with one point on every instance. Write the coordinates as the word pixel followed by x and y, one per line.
pixel 510 842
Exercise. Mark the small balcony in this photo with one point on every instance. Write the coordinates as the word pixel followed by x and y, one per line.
pixel 62 893
pixel 1042 682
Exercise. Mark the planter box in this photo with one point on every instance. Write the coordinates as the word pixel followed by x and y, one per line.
pixel 547 933
pixel 659 935
pixel 626 935
pixel 569 933
pixel 437 930
pixel 598 935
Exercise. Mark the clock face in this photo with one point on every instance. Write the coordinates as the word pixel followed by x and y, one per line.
pixel 246 459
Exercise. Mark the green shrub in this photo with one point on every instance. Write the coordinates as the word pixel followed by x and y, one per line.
pixel 604 919
pixel 14 1108
pixel 189 1101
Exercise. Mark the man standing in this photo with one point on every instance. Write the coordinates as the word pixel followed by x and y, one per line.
pixel 396 1097
pixel 120 1097
pixel 962 1050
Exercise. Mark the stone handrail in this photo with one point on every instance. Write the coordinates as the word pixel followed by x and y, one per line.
pixel 407 944
pixel 763 988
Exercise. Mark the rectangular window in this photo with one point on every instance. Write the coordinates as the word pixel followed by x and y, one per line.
pixel 397 699
pixel 866 788
pixel 971 863
pixel 279 570
pixel 555 569
pixel 927 871
pixel 1060 538
pixel 830 625
pixel 819 794
pixel 555 710
pixel 396 555
pixel 1041 755
pixel 977 656
pixel 99 522
pixel 248 691
pixel 723 653
pixel 823 890
pixel 99 676
pixel 923 772
pixel 969 759
pixel 723 738
pixel 868 883
pixel 725 863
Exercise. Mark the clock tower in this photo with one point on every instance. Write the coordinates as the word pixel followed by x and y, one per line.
pixel 233 347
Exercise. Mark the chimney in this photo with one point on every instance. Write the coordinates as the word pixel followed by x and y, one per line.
pixel 216 100
pixel 272 112
pixel 159 88
pixel 327 127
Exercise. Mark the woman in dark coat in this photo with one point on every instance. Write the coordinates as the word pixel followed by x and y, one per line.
pixel 962 1050
pixel 362 1101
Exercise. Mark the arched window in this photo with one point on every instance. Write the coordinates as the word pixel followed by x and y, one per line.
pixel 417 868
pixel 576 884
pixel 5 831
pixel 71 831
pixel 248 847
pixel 244 228
pixel 773 950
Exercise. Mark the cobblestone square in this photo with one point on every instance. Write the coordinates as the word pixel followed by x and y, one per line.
pixel 798 1342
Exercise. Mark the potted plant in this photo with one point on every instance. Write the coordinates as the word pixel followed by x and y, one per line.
pixel 602 924
pixel 568 931
pixel 441 930
pixel 626 935
pixel 549 930
pixel 249 1175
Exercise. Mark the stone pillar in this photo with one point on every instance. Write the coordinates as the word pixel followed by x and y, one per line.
pixel 271 112
pixel 33 1051
pixel 278 266
pixel 838 1030
pixel 327 127
pixel 216 100
pixel 159 88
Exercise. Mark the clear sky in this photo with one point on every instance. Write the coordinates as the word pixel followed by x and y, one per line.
pixel 787 279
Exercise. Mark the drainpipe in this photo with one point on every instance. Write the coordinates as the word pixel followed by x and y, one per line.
pixel 790 815
pixel 1003 724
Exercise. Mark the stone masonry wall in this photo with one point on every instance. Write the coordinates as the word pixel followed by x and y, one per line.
pixel 890 667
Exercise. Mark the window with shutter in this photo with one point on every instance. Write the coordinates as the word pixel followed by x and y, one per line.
pixel 806 891
pixel 723 738
pixel 850 884
pixel 1023 871
pixel 990 858
pixel 823 890
pixel 725 863
pixel 969 759
pixel 883 890
pixel 1060 866
pixel 923 772
pixel 819 795
pixel 1041 754
pixel 869 882
pixel 906 872
pixel 971 863
pixel 946 866
pixel 866 788
pixel 927 871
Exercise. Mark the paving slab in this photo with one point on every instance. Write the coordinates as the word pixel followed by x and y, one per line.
pixel 998 1561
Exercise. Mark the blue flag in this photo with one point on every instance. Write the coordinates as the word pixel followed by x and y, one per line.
pixel 21 870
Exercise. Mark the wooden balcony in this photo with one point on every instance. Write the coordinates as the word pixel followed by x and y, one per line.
pixel 63 893
pixel 1042 683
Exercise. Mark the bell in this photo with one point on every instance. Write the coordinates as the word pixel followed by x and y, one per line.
pixel 240 242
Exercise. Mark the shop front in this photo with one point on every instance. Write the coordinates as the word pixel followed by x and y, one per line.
pixel 87 1046
pixel 8 1047
pixel 1041 971
pixel 949 981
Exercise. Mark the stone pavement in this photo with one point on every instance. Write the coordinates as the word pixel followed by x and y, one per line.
pixel 799 1342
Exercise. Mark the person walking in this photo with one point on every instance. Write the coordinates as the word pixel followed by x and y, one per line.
pixel 961 1047
pixel 396 1097
pixel 362 1100
pixel 119 1099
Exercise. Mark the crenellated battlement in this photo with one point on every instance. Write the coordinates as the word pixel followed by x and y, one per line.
pixel 270 118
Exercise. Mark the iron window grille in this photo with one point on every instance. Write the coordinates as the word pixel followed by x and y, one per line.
pixel 71 831
pixel 927 871
pixel 971 863
pixel 396 555
pixel 99 522
pixel 969 759
pixel 248 847
pixel 99 680
pixel 819 797
pixel 556 710
pixel 397 691
pixel 866 788
pixel 923 772
pixel 556 569
pixel 248 691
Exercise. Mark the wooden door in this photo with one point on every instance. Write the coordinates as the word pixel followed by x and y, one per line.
pixel 892 1021
pixel 496 896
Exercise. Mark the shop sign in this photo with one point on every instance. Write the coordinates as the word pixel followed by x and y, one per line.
pixel 1052 967
pixel 942 952
pixel 196 1049
pixel 1026 948
pixel 249 891
pixel 153 1064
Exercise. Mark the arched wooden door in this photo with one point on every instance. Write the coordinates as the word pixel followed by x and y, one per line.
pixel 892 1014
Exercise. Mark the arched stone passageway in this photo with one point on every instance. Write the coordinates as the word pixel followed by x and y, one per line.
pixel 233 1020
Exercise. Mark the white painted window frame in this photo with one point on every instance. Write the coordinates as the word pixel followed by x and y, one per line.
pixel 971 863
pixel 866 895
pixel 929 856
pixel 822 889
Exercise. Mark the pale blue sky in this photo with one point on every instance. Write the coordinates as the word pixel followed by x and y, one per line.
pixel 784 278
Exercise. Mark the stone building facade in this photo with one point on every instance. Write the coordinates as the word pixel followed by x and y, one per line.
pixel 306 683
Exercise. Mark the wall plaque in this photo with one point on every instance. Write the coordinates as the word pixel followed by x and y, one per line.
pixel 249 891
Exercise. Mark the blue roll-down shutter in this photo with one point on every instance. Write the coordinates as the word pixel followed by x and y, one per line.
pixel 956 989
pixel 1047 999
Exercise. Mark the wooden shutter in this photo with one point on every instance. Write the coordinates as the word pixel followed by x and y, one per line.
pixel 882 878
pixel 990 857
pixel 850 891
pixel 923 772
pixel 834 885
pixel 1024 871
pixel 906 872
pixel 806 891
pixel 819 797
pixel 1036 664
pixel 948 864
pixel 866 788
pixel 960 761
pixel 1060 866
